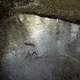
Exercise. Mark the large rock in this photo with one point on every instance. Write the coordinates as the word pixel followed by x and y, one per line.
pixel 65 9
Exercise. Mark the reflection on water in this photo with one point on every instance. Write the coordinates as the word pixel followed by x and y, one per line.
pixel 49 35
pixel 41 37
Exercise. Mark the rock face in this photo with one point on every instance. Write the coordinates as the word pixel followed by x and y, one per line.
pixel 65 9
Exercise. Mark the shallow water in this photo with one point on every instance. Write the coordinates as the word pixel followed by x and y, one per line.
pixel 40 51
